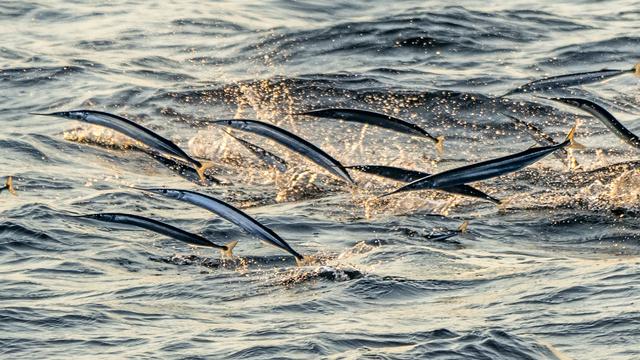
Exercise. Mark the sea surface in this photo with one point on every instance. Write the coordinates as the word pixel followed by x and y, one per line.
pixel 554 273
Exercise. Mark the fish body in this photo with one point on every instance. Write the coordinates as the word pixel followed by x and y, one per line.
pixel 405 175
pixel 374 119
pixel 183 169
pixel 563 81
pixel 160 228
pixel 292 142
pixel 441 237
pixel 604 116
pixel 270 159
pixel 8 185
pixel 131 129
pixel 486 169
pixel 231 214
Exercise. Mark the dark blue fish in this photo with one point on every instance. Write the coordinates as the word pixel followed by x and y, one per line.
pixel 563 81
pixel 292 142
pixel 441 237
pixel 405 175
pixel 133 130
pixel 375 119
pixel 161 228
pixel 486 169
pixel 183 169
pixel 604 116
pixel 270 159
pixel 232 214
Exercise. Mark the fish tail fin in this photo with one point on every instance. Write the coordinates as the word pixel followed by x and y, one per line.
pixel 463 227
pixel 228 250
pixel 637 69
pixel 9 184
pixel 440 144
pixel 202 168
pixel 305 260
pixel 570 138
pixel 573 163
pixel 502 207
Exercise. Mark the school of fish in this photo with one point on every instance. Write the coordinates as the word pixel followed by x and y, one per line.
pixel 453 181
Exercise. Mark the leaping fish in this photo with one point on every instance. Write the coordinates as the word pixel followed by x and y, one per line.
pixel 376 119
pixel 270 159
pixel 563 81
pixel 8 185
pixel 133 130
pixel 183 169
pixel 460 230
pixel 604 116
pixel 292 142
pixel 543 140
pixel 405 175
pixel 231 214
pixel 486 169
pixel 161 228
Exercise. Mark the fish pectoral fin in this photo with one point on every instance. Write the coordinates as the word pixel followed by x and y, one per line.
pixel 463 227
pixel 228 252
pixel 9 185
pixel 306 260
pixel 440 145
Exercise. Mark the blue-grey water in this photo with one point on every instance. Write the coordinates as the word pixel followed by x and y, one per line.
pixel 553 274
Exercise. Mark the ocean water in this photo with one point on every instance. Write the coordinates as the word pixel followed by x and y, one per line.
pixel 553 274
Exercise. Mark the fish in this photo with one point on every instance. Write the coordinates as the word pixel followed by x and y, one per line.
pixel 563 81
pixel 486 169
pixel 271 160
pixel 604 116
pixel 460 230
pixel 8 185
pixel 376 119
pixel 183 169
pixel 405 175
pixel 292 142
pixel 133 130
pixel 231 214
pixel 543 140
pixel 161 228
